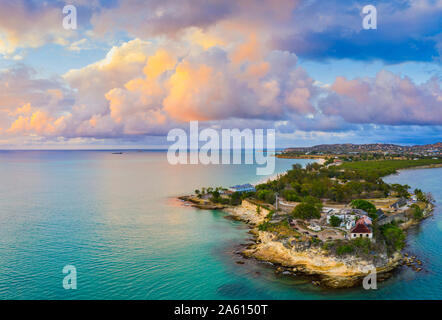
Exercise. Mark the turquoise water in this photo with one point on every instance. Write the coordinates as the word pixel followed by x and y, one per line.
pixel 115 218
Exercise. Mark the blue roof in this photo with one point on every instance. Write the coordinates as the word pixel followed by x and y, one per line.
pixel 243 187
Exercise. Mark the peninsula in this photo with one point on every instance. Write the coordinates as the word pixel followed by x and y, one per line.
pixel 336 222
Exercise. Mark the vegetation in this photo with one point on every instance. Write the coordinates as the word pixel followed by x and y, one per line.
pixel 423 197
pixel 417 212
pixel 344 249
pixel 353 181
pixel 394 236
pixel 401 190
pixel 266 195
pixel 306 211
pixel 335 221
pixel 365 205
pixel 383 168
pixel 235 199
pixel 359 246
pixel 282 229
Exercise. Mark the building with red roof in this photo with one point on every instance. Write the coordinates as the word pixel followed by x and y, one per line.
pixel 361 230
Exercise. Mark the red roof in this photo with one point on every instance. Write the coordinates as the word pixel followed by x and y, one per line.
pixel 361 228
pixel 364 220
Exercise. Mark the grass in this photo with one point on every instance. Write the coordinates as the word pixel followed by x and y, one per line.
pixel 387 167
pixel 283 229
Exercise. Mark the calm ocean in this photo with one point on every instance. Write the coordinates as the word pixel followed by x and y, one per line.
pixel 115 218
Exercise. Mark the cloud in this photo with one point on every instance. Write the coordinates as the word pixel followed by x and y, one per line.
pixel 386 99
pixel 160 17
pixel 23 25
pixel 211 85
pixel 224 63
pixel 141 88
pixel 311 29
pixel 406 31
pixel 20 85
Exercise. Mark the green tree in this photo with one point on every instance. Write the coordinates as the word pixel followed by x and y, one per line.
pixel 306 211
pixel 417 212
pixel 335 221
pixel 215 197
pixel 235 199
pixel 266 195
pixel 363 205
pixel 344 249
pixel 401 190
pixel 394 236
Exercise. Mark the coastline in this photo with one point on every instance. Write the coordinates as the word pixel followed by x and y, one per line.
pixel 291 257
pixel 277 175
pixel 431 166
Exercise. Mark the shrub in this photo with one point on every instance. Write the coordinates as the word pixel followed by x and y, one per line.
pixel 363 205
pixel 266 195
pixel 264 226
pixel 235 199
pixel 344 249
pixel 362 243
pixel 291 195
pixel 270 214
pixel 394 236
pixel 417 212
pixel 335 221
pixel 305 211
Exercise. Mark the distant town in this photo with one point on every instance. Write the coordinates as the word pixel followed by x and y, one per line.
pixel 392 150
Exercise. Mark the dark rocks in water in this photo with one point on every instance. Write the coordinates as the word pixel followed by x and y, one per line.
pixel 240 262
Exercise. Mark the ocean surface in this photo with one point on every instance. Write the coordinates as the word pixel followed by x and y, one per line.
pixel 115 218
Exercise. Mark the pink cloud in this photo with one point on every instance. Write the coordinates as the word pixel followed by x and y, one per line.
pixel 385 99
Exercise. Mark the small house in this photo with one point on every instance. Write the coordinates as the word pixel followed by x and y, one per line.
pixel 400 203
pixel 361 230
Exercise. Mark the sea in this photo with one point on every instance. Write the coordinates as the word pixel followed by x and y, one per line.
pixel 116 219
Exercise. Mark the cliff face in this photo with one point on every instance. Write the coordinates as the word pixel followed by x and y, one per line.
pixel 248 212
pixel 337 272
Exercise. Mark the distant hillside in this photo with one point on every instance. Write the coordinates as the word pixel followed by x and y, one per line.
pixel 346 148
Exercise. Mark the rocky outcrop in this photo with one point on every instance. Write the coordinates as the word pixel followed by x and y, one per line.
pixel 248 212
pixel 333 271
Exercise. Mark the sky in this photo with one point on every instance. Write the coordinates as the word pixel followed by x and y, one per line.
pixel 133 70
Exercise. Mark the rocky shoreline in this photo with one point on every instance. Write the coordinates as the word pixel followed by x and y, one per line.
pixel 291 257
